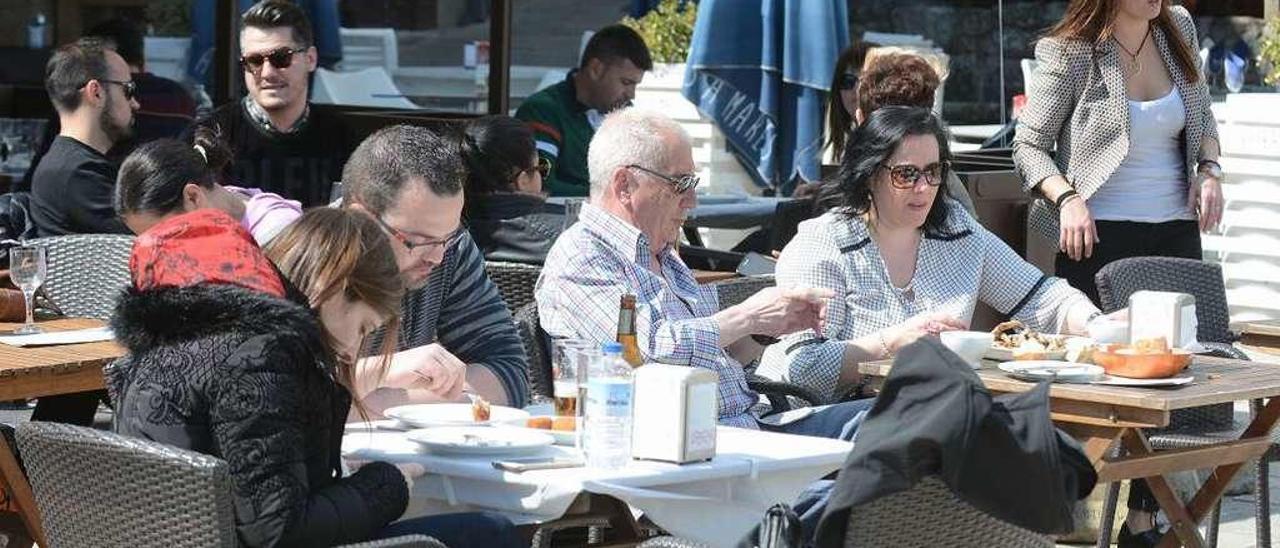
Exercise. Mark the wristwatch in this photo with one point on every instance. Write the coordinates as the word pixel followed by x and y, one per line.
pixel 1209 168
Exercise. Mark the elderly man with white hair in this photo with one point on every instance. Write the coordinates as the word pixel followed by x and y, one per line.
pixel 642 186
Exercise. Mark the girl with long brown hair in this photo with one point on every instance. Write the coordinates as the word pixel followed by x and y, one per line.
pixel 254 363
pixel 1118 93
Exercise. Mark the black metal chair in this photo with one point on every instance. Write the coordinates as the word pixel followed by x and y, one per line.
pixel 1187 427
pixel 97 488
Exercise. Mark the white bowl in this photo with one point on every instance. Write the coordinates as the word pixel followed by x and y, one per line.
pixel 969 345
pixel 1105 331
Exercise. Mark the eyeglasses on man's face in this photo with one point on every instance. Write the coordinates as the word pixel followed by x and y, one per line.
pixel 129 87
pixel 905 176
pixel 280 58
pixel 681 183
pixel 422 245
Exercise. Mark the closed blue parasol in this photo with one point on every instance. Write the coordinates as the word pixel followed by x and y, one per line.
pixel 761 70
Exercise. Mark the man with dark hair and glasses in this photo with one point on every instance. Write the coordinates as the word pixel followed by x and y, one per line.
pixel 456 335
pixel 281 144
pixel 71 187
pixel 93 92
pixel 167 108
pixel 642 187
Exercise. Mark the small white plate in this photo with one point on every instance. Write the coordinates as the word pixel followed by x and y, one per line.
pixel 480 440
pixel 1112 380
pixel 1059 371
pixel 426 415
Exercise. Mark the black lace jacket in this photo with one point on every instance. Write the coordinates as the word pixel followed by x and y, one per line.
pixel 244 376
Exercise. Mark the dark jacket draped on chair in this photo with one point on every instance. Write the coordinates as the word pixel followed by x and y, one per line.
pixel 934 418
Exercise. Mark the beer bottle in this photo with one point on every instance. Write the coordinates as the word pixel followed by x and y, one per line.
pixel 627 331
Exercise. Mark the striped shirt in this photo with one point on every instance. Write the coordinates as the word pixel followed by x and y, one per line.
pixel 600 258
pixel 957 266
pixel 461 309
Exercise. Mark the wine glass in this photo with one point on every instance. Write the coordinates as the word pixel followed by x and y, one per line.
pixel 27 269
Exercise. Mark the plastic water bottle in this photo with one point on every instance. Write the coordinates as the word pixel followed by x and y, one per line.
pixel 35 31
pixel 608 407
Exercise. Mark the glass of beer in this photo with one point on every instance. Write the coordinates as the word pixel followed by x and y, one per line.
pixel 567 374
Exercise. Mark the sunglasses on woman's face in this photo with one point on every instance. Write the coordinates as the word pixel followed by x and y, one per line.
pixel 848 81
pixel 281 58
pixel 543 167
pixel 905 176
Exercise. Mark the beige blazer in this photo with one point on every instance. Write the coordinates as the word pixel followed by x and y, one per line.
pixel 1077 101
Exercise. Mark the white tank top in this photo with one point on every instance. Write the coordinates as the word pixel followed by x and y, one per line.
pixel 1150 185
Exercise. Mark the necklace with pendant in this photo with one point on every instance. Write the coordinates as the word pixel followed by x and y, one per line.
pixel 1133 65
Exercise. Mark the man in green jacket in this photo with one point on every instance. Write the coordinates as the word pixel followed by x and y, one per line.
pixel 564 116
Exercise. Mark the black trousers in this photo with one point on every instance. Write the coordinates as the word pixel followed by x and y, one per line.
pixel 1121 240
pixel 1124 239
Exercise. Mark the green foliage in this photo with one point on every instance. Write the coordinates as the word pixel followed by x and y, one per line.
pixel 1269 52
pixel 169 17
pixel 667 30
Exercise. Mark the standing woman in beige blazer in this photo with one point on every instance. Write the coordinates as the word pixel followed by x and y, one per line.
pixel 1119 95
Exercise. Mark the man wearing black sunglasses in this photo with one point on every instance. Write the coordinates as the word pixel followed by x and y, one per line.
pixel 91 90
pixel 281 144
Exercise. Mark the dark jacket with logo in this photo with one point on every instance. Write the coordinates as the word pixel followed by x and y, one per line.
pixel 934 418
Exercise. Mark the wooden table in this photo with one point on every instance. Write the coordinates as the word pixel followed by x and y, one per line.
pixel 32 372
pixel 1261 335
pixel 1101 416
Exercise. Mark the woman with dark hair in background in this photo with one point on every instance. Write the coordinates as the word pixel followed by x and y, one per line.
pixel 842 99
pixel 1118 144
pixel 505 208
pixel 903 261
pixel 167 177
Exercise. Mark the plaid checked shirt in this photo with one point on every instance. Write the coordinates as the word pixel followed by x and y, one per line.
pixel 601 257
pixel 961 264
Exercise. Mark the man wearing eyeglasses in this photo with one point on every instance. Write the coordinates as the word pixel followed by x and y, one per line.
pixel 92 91
pixel 642 187
pixel 72 185
pixel 456 336
pixel 281 144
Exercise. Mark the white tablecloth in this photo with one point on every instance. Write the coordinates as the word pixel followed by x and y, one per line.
pixel 716 502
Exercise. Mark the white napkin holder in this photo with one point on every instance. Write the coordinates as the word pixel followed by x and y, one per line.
pixel 674 418
pixel 1163 314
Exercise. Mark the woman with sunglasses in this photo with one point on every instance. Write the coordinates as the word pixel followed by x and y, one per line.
pixel 904 260
pixel 506 209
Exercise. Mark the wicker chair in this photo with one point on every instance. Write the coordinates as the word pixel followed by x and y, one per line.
pixel 515 282
pixel 1187 427
pixel 930 514
pixel 735 290
pixel 86 272
pixel 96 488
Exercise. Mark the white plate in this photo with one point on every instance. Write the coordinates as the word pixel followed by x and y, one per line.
pixel 1112 380
pixel 1059 371
pixel 426 415
pixel 480 440
pixel 1002 354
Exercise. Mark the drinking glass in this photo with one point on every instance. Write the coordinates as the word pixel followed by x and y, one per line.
pixel 566 375
pixel 27 269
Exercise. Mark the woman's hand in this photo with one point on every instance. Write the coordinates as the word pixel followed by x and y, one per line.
pixel 1205 198
pixel 920 325
pixel 1077 232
